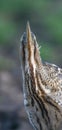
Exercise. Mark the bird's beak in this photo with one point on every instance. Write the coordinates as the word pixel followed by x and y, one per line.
pixel 29 36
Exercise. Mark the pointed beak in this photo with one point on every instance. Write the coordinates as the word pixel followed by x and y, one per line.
pixel 28 33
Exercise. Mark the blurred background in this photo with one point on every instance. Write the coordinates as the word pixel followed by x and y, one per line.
pixel 45 18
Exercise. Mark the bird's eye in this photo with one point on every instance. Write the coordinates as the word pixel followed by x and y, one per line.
pixel 23 39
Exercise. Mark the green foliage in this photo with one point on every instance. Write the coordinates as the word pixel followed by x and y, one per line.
pixel 47 52
pixel 48 12
pixel 7 30
pixel 55 26
pixel 6 64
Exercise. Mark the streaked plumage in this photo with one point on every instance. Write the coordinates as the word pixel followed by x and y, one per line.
pixel 55 82
pixel 42 86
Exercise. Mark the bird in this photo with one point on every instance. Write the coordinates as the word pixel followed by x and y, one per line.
pixel 42 85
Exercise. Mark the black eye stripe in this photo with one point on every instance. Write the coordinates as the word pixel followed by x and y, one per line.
pixel 23 53
pixel 34 49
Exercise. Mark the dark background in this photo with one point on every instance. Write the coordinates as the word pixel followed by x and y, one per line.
pixel 45 17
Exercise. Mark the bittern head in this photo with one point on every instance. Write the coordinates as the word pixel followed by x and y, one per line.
pixel 29 50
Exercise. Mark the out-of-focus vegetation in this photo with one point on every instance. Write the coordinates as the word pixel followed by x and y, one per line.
pixel 6 63
pixel 45 18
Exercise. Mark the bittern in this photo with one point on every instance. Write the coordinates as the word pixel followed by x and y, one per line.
pixel 42 86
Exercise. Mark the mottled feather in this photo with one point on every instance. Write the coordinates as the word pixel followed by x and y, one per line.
pixel 55 76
